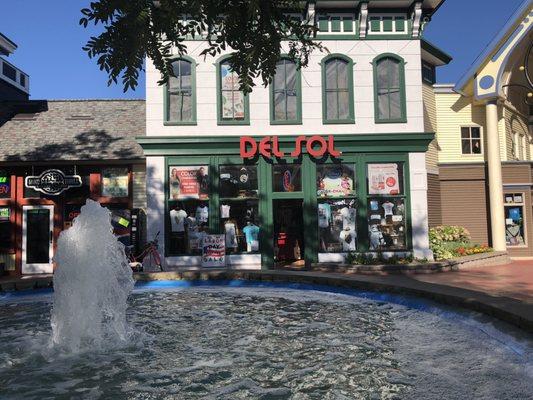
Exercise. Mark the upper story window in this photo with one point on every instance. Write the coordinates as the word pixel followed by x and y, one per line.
pixel 180 108
pixel 389 89
pixel 336 24
pixel 285 93
pixel 337 87
pixel 471 140
pixel 387 24
pixel 233 104
pixel 428 73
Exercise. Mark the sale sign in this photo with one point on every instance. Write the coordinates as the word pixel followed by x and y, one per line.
pixel 383 179
pixel 214 251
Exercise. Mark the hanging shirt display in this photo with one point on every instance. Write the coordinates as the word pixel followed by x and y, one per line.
pixel 376 237
pixel 348 239
pixel 251 233
pixel 231 235
pixel 388 206
pixel 202 214
pixel 177 219
pixel 324 215
pixel 224 211
pixel 348 217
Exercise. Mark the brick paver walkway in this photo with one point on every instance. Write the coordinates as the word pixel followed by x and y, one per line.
pixel 514 280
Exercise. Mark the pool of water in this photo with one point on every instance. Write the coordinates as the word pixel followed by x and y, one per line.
pixel 267 342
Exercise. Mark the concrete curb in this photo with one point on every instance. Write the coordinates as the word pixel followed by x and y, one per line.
pixel 456 264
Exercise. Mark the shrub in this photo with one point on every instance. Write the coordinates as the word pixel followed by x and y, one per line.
pixel 453 241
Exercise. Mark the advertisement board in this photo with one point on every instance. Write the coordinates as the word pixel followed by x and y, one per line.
pixel 214 251
pixel 383 179
pixel 188 182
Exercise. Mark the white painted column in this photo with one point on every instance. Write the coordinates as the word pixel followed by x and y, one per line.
pixel 155 200
pixel 495 184
pixel 419 206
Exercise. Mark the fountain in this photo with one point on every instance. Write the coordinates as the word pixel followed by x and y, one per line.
pixel 92 283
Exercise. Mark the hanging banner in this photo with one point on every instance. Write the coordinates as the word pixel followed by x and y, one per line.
pixel 190 182
pixel 383 179
pixel 214 251
pixel 115 182
pixel 52 182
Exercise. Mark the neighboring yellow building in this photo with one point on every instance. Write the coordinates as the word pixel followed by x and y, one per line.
pixel 480 163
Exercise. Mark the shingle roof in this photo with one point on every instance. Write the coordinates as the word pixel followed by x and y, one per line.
pixel 75 130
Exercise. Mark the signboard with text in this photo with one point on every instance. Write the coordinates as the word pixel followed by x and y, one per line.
pixel 214 251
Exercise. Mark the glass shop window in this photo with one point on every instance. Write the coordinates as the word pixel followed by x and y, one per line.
pixel 188 207
pixel 239 222
pixel 335 180
pixel 287 178
pixel 115 182
pixel 5 184
pixel 386 208
pixel 514 219
pixel 238 181
pixel 337 226
pixel 5 228
pixel 239 208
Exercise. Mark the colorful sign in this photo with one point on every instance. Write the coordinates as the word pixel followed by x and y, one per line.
pixel 268 147
pixel 4 214
pixel 335 183
pixel 214 251
pixel 5 184
pixel 52 182
pixel 189 182
pixel 383 179
pixel 115 182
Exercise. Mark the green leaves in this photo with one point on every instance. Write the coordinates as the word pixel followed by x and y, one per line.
pixel 257 31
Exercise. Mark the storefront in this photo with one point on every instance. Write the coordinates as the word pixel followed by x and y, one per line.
pixel 43 184
pixel 286 199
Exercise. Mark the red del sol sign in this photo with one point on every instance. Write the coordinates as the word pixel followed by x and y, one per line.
pixel 316 146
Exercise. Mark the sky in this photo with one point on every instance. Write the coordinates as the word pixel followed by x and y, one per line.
pixel 50 39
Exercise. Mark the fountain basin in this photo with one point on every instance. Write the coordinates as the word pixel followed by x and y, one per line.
pixel 235 339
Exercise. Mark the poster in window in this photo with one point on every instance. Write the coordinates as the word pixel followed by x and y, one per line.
pixel 230 81
pixel 383 179
pixel 335 181
pixel 190 182
pixel 4 213
pixel 227 105
pixel 214 251
pixel 115 182
pixel 5 184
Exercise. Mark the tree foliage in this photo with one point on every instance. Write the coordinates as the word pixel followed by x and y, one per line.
pixel 252 29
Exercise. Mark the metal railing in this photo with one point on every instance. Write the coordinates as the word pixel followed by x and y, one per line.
pixel 14 76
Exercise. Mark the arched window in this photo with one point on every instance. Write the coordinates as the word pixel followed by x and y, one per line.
pixel 286 94
pixel 233 105
pixel 389 89
pixel 337 90
pixel 180 100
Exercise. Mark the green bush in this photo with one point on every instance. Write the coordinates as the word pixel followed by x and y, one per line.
pixel 448 241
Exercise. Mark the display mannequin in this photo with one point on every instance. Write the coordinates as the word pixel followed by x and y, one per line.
pixel 230 228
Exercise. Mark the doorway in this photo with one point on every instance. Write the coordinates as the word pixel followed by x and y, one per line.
pixel 289 233
pixel 37 237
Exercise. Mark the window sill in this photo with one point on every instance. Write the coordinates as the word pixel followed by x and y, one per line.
pixel 221 122
pixel 171 123
pixel 338 122
pixel 391 121
pixel 285 122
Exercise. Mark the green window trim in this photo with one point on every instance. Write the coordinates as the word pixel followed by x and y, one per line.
pixel 166 96
pixel 298 90
pixel 227 121
pixel 401 88
pixel 351 112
